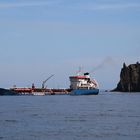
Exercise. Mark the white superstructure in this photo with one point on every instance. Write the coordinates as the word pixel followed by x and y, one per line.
pixel 82 81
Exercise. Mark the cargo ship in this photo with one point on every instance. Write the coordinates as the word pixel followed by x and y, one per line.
pixel 39 90
pixel 82 84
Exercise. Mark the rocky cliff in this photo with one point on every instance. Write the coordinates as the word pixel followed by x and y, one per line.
pixel 129 78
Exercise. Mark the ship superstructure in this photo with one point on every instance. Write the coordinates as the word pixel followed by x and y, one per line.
pixel 82 84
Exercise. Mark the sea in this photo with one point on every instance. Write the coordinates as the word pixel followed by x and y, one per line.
pixel 107 116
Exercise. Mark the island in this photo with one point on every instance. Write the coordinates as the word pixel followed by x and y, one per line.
pixel 7 92
pixel 129 78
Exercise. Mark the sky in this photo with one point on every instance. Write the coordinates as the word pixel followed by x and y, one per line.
pixel 39 38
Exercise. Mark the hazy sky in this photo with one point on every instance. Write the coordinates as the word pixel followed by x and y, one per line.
pixel 43 37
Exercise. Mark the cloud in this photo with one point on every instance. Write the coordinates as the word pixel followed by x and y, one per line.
pixel 28 4
pixel 98 7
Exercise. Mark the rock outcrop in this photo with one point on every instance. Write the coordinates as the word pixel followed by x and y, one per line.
pixel 7 92
pixel 129 78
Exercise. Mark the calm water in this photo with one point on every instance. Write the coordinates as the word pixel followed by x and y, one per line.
pixel 103 117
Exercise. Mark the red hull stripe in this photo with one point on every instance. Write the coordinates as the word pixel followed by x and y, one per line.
pixel 78 77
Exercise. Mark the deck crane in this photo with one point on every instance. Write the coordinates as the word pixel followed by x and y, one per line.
pixel 43 83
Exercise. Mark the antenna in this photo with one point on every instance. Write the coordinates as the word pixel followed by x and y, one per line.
pixel 79 71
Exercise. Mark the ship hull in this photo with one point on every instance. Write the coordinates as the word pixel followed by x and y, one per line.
pixel 84 92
